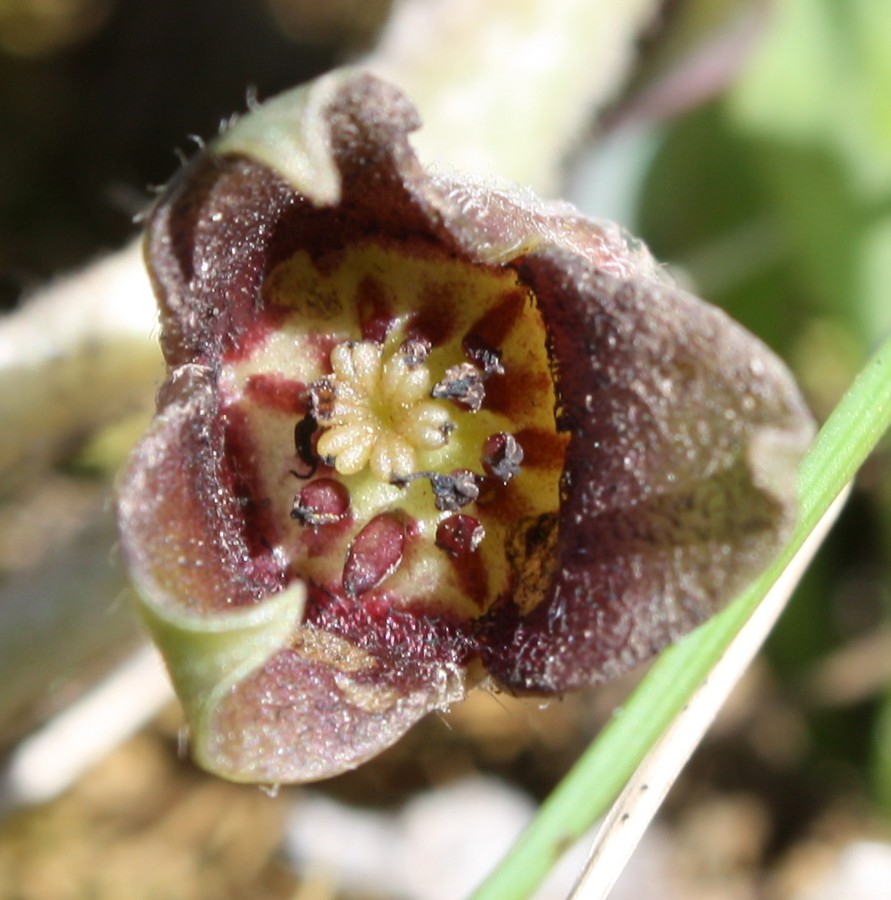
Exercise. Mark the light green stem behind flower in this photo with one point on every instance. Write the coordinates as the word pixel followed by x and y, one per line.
pixel 504 87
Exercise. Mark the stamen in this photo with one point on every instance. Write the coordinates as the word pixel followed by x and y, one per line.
pixel 502 456
pixel 322 502
pixel 454 491
pixel 321 400
pixel 416 351
pixel 459 535
pixel 483 354
pixel 463 384
pixel 451 492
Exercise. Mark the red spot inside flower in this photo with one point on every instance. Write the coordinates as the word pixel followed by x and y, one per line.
pixel 321 502
pixel 277 392
pixel 501 502
pixel 319 542
pixel 541 448
pixel 493 327
pixel 374 310
pixel 321 346
pixel 375 553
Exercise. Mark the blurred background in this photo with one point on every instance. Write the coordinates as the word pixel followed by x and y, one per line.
pixel 769 193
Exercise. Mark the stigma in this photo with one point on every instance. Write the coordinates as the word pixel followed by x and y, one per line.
pixel 375 410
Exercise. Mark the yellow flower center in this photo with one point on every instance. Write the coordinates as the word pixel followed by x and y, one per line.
pixel 376 410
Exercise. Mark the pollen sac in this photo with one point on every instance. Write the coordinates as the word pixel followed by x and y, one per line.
pixel 502 456
pixel 322 502
pixel 523 453
pixel 455 490
pixel 415 351
pixel 459 535
pixel 463 384
pixel 374 554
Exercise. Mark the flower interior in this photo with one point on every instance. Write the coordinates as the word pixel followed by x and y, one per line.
pixel 394 432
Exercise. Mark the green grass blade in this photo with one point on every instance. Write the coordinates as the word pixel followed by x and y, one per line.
pixel 849 435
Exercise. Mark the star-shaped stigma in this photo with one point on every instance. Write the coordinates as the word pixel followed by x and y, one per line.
pixel 376 409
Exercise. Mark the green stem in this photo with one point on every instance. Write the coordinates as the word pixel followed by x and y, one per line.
pixel 849 435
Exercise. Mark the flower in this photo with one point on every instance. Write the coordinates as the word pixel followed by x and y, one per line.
pixel 420 433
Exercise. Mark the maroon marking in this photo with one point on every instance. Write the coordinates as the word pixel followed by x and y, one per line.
pixel 434 322
pixel 501 502
pixel 513 393
pixel 375 310
pixel 502 456
pixel 324 542
pixel 494 326
pixel 321 502
pixel 277 392
pixel 261 530
pixel 488 488
pixel 542 449
pixel 459 535
pixel 375 553
pixel 326 259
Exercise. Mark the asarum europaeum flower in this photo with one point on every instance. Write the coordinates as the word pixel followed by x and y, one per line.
pixel 421 433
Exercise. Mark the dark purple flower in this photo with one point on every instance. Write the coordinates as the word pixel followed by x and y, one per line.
pixel 420 433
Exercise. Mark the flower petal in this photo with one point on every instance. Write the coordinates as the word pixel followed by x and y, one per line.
pixel 679 479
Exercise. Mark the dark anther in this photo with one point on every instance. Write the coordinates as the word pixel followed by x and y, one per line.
pixel 405 480
pixel 502 456
pixel 483 354
pixel 303 432
pixel 459 535
pixel 322 502
pixel 463 384
pixel 453 491
pixel 415 351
